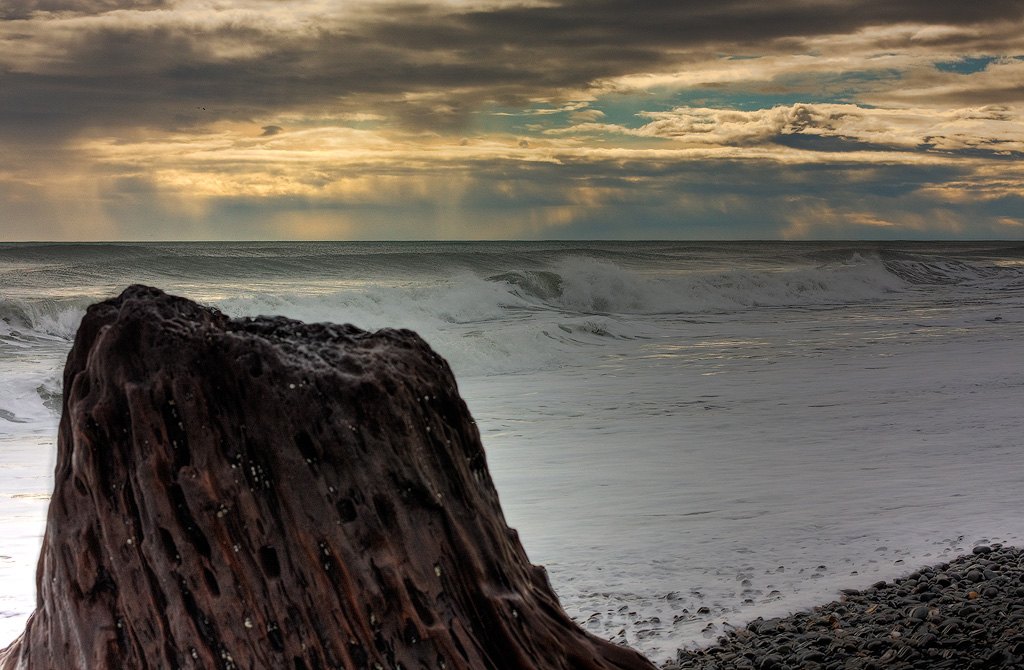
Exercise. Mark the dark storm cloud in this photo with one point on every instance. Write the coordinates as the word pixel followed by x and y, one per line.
pixel 23 9
pixel 428 65
pixel 159 76
pixel 669 23
pixel 701 118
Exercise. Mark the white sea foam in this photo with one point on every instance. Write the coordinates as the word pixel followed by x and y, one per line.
pixel 665 491
pixel 45 318
pixel 591 286
pixel 28 402
pixel 688 436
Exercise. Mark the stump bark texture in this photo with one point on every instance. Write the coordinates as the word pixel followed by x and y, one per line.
pixel 269 494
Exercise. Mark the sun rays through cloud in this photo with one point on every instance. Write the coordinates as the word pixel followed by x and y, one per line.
pixel 261 119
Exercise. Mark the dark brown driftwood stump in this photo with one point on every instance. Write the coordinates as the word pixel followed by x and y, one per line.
pixel 267 494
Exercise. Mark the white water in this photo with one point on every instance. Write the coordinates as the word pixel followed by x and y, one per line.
pixel 757 471
pixel 670 429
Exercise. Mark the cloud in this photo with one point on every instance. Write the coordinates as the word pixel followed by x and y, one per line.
pixel 587 115
pixel 361 184
pixel 1001 82
pixel 527 118
pixel 501 192
pixel 25 9
pixel 994 131
pixel 427 66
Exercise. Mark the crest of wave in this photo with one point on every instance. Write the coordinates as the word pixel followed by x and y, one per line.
pixel 593 286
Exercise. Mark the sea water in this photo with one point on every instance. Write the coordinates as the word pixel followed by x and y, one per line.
pixel 687 435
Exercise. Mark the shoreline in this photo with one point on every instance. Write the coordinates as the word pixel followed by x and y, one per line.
pixel 965 613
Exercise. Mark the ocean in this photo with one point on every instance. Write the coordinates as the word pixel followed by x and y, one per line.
pixel 687 435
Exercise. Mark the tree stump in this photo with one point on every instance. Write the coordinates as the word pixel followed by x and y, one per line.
pixel 268 494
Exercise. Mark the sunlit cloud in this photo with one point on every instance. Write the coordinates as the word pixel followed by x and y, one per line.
pixel 1000 82
pixel 468 118
pixel 993 129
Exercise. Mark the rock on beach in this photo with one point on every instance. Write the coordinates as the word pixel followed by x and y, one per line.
pixel 967 614
pixel 264 493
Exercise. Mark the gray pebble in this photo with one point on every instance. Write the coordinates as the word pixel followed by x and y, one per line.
pixel 967 625
pixel 919 613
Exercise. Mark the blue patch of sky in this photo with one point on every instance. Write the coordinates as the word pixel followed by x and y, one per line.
pixel 839 87
pixel 744 101
pixel 788 91
pixel 816 88
pixel 619 110
pixel 965 65
pixel 625 110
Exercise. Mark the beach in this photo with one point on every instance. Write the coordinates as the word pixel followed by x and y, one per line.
pixel 689 436
pixel 967 613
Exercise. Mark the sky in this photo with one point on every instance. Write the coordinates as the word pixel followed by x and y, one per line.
pixel 475 119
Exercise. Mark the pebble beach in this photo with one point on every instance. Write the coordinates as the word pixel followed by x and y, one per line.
pixel 964 614
pixel 688 436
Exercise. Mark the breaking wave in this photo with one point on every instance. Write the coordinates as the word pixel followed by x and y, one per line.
pixel 569 285
pixel 487 307
pixel 43 317
pixel 584 285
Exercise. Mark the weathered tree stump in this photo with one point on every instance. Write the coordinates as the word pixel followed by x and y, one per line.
pixel 268 494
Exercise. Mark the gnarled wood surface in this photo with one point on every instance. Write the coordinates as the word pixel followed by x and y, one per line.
pixel 269 494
